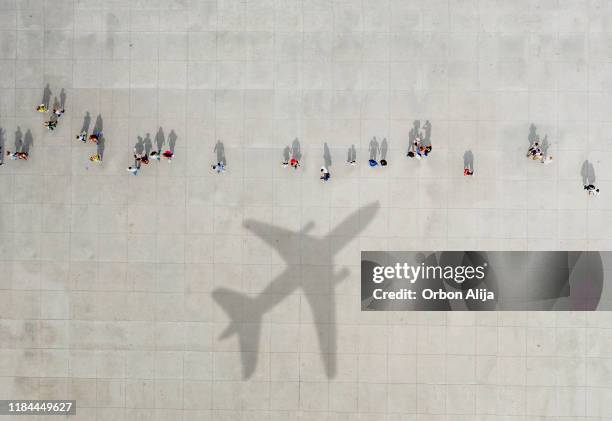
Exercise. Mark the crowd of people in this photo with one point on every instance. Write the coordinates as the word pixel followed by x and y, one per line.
pixel 420 147
pixel 144 158
pixel 54 117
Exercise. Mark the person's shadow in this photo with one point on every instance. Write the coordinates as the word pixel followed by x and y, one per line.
pixel 18 139
pixel 427 129
pixel 384 147
pixel 2 145
pixel 533 134
pixel 148 145
pixel 139 147
pixel 327 159
pixel 413 134
pixel 286 154
pixel 468 160
pixel 160 139
pixel 86 122
pixel 296 151
pixel 46 99
pixel 414 131
pixel 172 140
pixel 62 98
pixel 220 150
pixel 352 154
pixel 28 142
pixel 99 131
pixel 373 148
pixel 99 126
pixel 545 145
pixel 588 173
pixel 100 145
pixel 147 140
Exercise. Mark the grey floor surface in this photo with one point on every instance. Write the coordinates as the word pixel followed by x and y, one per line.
pixel 110 284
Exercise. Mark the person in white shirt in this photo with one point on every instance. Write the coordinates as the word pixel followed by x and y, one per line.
pixel 219 167
pixel 325 175
pixel 591 189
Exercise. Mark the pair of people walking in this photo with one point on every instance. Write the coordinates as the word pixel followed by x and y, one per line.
pixel 378 153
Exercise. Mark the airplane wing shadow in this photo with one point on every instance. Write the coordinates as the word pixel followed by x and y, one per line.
pixel 246 312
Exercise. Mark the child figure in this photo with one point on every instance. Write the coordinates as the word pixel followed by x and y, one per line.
pixel 95 158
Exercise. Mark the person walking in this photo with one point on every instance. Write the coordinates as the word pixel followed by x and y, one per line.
pixel 134 169
pixel 325 175
pixel 219 167
pixel 415 149
pixel 535 150
pixel 591 189
pixel 294 163
pixel 168 155
pixel 82 136
pixel 51 124
pixel 140 158
pixel 17 155
pixel 95 137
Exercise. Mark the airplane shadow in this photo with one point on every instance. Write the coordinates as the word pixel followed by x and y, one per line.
pixel 246 311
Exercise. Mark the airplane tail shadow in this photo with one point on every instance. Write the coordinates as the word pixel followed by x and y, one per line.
pixel 236 305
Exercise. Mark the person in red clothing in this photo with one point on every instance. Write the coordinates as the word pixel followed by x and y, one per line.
pixel 294 163
pixel 168 155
